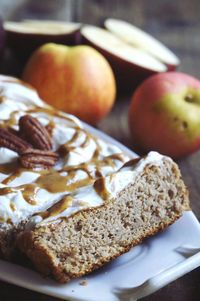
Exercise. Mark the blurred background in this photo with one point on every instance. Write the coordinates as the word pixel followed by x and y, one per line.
pixel 177 25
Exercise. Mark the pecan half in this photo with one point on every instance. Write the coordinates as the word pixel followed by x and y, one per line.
pixel 34 132
pixel 36 158
pixel 11 141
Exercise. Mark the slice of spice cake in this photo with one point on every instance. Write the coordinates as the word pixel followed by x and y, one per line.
pixel 121 210
pixel 44 155
pixel 69 201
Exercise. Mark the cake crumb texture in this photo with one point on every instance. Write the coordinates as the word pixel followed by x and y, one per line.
pixel 92 237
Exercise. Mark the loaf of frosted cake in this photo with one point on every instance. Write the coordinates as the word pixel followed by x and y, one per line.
pixel 69 201
pixel 44 156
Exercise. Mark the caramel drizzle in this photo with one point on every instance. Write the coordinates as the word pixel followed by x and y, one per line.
pixel 2 98
pixel 50 127
pixel 7 168
pixel 29 192
pixel 13 175
pixel 51 112
pixel 68 146
pixel 53 181
pixel 100 188
pixel 57 208
pixel 12 121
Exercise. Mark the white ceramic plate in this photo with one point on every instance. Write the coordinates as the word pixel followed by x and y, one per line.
pixel 143 270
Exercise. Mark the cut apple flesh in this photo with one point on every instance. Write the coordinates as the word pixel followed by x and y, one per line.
pixel 141 40
pixel 26 36
pixel 41 27
pixel 115 46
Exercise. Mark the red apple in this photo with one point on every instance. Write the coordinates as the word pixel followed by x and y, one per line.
pixel 164 114
pixel 77 80
pixel 25 36
pixel 131 65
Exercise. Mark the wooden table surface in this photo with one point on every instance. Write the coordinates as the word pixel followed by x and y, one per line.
pixel 177 24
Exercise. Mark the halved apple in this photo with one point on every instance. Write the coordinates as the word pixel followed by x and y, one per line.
pixel 25 36
pixel 142 41
pixel 130 65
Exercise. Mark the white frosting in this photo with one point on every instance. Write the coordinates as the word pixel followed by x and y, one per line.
pixel 15 97
pixel 19 98
pixel 88 197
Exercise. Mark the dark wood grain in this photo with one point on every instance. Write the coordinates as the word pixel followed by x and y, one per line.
pixel 177 24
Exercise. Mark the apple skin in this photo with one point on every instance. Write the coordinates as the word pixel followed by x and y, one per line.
pixel 77 80
pixel 24 44
pixel 171 67
pixel 164 114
